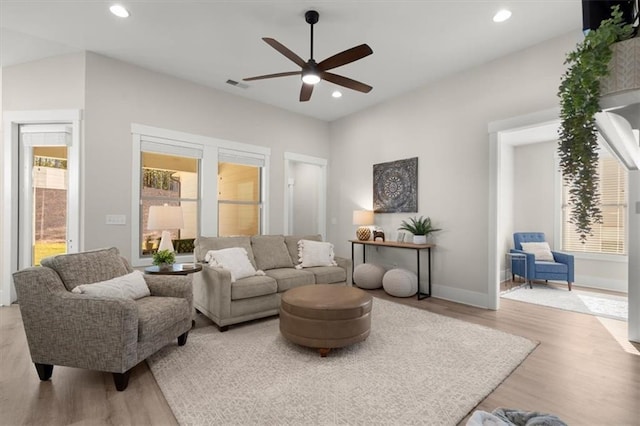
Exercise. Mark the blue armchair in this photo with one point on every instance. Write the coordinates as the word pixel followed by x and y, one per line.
pixel 560 269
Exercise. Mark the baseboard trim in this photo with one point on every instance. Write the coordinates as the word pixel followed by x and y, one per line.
pixel 458 295
pixel 601 283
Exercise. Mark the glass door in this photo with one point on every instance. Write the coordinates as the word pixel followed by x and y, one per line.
pixel 44 192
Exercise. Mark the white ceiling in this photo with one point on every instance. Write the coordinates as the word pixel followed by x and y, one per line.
pixel 210 41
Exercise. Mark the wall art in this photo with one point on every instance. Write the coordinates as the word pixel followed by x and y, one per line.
pixel 395 186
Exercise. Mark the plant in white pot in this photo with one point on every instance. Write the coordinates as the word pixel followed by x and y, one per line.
pixel 420 228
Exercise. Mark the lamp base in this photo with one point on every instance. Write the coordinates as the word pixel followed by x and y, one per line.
pixel 363 233
pixel 165 242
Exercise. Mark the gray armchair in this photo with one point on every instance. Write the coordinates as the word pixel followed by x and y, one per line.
pixel 96 332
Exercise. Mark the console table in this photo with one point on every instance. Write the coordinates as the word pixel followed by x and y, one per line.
pixel 392 244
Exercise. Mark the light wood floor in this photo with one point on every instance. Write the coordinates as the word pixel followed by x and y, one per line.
pixel 578 372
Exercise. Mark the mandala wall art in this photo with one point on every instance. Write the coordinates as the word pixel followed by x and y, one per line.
pixel 395 186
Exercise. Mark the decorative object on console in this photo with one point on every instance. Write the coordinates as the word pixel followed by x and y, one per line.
pixel 364 219
pixel 420 228
pixel 164 258
pixel 163 218
pixel 395 186
pixel 378 234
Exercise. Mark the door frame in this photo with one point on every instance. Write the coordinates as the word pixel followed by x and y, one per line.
pixel 10 244
pixel 289 158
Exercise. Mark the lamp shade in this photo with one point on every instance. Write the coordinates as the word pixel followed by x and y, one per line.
pixel 363 217
pixel 165 217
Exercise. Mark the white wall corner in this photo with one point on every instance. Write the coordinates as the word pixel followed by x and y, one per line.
pixel 458 295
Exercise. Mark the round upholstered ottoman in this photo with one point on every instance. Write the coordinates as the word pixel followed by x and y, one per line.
pixel 368 275
pixel 325 316
pixel 400 283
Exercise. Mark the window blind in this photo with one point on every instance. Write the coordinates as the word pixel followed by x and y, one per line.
pixel 609 236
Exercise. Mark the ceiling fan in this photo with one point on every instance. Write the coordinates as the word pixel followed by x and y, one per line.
pixel 313 72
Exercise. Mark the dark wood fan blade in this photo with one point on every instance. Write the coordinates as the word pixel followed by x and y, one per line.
pixel 305 92
pixel 345 57
pixel 346 82
pixel 285 51
pixel 280 74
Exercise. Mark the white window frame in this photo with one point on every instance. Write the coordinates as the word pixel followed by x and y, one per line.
pixel 208 179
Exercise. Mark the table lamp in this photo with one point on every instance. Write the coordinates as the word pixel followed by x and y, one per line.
pixel 364 219
pixel 162 218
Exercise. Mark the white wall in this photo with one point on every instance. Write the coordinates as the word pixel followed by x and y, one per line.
pixel 445 125
pixel 119 94
pixel 535 206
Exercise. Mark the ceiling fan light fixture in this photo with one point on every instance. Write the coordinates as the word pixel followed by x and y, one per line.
pixel 119 11
pixel 502 15
pixel 310 78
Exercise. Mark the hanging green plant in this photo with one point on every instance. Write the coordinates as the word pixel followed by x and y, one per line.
pixel 579 94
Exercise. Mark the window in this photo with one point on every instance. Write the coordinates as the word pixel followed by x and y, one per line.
pixel 169 177
pixel 221 187
pixel 239 194
pixel 609 236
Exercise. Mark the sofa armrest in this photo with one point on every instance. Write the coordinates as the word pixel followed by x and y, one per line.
pixel 568 260
pixel 345 264
pixel 212 291
pixel 170 286
pixel 75 330
pixel 531 265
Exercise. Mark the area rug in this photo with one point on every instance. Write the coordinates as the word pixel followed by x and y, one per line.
pixel 416 367
pixel 586 302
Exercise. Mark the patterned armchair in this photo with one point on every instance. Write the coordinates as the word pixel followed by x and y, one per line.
pixel 559 268
pixel 98 332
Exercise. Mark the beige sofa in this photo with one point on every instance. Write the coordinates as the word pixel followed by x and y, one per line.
pixel 227 303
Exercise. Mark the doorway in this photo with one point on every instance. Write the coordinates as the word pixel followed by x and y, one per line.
pixel 41 191
pixel 305 195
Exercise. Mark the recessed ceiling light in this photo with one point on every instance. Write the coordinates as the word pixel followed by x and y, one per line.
pixel 502 15
pixel 336 94
pixel 119 11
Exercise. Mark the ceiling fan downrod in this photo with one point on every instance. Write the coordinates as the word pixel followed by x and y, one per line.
pixel 311 16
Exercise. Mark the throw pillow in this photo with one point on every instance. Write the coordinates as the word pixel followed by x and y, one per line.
pixel 129 286
pixel 235 260
pixel 542 251
pixel 270 252
pixel 315 253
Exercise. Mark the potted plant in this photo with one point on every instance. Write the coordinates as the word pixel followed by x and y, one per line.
pixel 579 94
pixel 164 258
pixel 420 228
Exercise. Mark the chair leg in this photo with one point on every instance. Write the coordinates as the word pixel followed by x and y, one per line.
pixel 121 380
pixel 44 371
pixel 530 283
pixel 223 328
pixel 569 282
pixel 182 339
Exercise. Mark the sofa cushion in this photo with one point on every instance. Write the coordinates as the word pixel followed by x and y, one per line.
pixel 253 287
pixel 289 278
pixel 156 314
pixel 129 286
pixel 551 268
pixel 270 252
pixel 204 244
pixel 88 267
pixel 328 274
pixel 292 244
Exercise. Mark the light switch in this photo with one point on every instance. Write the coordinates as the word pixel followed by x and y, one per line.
pixel 116 219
